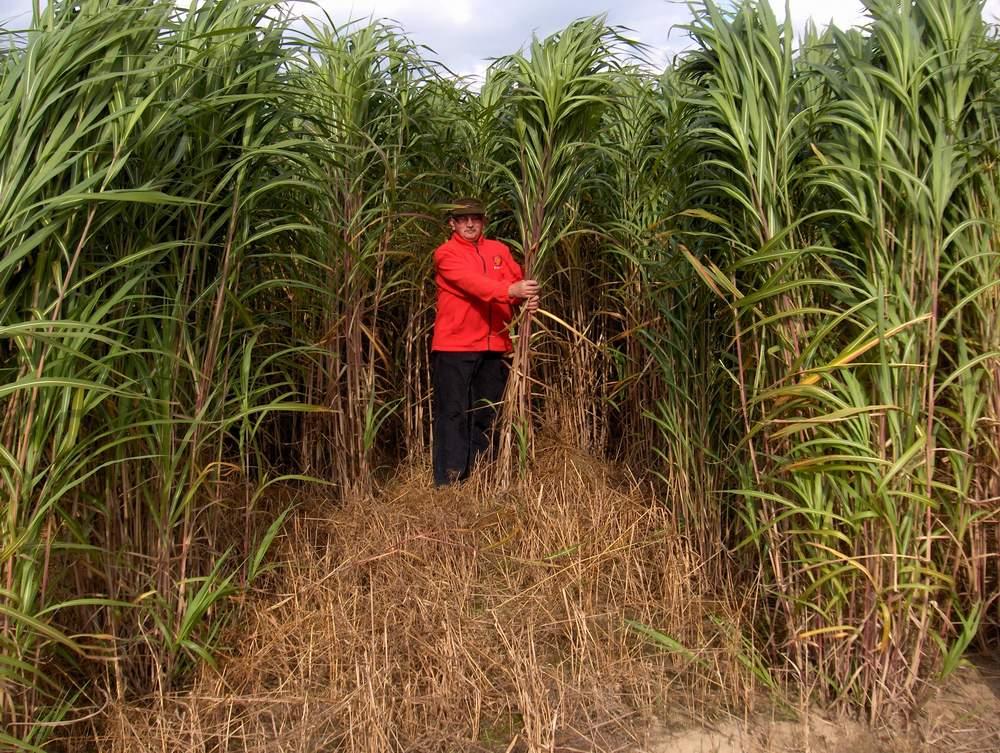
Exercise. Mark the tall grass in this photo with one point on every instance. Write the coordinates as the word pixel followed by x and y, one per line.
pixel 771 289
pixel 555 97
pixel 366 104
pixel 853 199
pixel 149 156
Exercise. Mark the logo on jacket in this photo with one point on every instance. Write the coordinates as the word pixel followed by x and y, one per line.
pixel 497 262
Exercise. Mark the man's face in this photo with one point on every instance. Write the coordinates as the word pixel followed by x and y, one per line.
pixel 468 226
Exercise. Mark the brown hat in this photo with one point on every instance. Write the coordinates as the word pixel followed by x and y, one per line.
pixel 466 205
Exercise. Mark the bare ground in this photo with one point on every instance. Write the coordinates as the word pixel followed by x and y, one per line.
pixel 468 619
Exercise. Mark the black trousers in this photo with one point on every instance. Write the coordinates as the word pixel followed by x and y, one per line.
pixel 468 388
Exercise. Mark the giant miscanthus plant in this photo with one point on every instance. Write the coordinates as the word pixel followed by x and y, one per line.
pixel 145 166
pixel 906 149
pixel 365 104
pixel 666 409
pixel 556 94
pixel 791 257
pixel 854 203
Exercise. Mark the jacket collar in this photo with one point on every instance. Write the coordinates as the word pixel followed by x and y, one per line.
pixel 467 244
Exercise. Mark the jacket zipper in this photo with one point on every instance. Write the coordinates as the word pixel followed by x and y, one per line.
pixel 489 332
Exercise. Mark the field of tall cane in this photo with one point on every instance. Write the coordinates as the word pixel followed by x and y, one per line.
pixel 853 247
pixel 771 291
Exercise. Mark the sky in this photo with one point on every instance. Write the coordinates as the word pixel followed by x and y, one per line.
pixel 465 34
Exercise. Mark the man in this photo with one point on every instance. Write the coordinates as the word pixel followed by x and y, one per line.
pixel 478 286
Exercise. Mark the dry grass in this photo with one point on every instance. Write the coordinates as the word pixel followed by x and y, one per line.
pixel 458 619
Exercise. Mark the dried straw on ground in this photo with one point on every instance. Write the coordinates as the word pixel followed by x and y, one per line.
pixel 458 619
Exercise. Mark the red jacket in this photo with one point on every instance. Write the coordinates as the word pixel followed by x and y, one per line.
pixel 473 308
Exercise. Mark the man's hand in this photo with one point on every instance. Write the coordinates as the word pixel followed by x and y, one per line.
pixel 532 303
pixel 524 289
